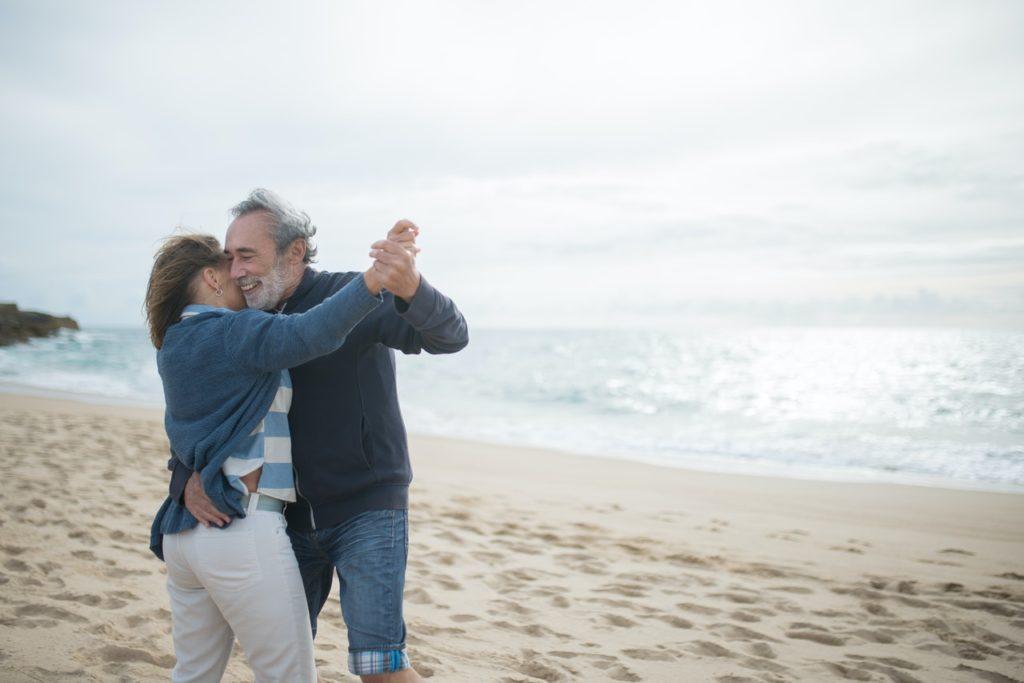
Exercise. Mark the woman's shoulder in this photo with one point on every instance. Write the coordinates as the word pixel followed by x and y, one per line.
pixel 194 329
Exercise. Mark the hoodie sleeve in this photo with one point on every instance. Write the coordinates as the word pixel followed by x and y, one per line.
pixel 431 322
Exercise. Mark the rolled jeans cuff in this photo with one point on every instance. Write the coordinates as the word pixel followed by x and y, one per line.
pixel 371 662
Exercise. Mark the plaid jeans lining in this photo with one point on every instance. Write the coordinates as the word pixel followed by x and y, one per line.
pixel 370 662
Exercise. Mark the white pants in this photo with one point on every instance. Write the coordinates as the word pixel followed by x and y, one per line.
pixel 241 581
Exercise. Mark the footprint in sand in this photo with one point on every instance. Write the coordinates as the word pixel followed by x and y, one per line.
pixel 462 618
pixel 888 661
pixel 39 610
pixel 449 536
pixel 488 556
pixel 614 670
pixel 22 622
pixel 745 616
pixel 506 606
pixel 85 599
pixel 853 550
pixel 48 567
pixel 648 655
pixel 533 630
pixel 618 620
pixel 611 602
pixel 814 633
pixel 763 650
pixel 733 633
pixel 120 654
pixel 118 573
pixel 432 630
pixel 124 595
pixel 83 536
pixel 798 590
pixel 847 672
pixel 985 675
pixel 676 622
pixel 525 548
pixel 871 636
pixel 538 670
pixel 447 583
pixel 443 558
pixel 997 608
pixel 697 609
pixel 738 598
pixel 630 590
pixel 706 648
pixel 939 563
pixel 634 550
pixel 876 609
pixel 418 596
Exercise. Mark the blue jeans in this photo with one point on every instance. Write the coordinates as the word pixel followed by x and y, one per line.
pixel 368 553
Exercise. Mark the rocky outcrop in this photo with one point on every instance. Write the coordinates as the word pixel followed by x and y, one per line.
pixel 20 326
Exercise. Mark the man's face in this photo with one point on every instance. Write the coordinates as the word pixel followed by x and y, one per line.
pixel 255 266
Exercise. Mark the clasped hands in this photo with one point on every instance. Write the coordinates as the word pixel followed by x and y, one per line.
pixel 394 262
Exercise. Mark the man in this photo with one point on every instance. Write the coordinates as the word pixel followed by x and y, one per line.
pixel 348 439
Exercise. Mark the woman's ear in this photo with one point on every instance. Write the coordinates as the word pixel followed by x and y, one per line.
pixel 211 278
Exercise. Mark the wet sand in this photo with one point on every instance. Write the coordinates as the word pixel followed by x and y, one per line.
pixel 529 565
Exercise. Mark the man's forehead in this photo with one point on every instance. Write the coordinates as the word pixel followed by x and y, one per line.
pixel 249 233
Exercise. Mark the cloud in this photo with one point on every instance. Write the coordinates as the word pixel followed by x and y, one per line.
pixel 566 160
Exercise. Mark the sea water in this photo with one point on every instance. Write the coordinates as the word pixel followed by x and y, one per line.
pixel 918 405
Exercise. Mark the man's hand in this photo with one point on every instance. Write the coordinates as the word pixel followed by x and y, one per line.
pixel 396 268
pixel 405 234
pixel 199 504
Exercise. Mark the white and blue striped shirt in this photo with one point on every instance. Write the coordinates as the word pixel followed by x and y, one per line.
pixel 268 446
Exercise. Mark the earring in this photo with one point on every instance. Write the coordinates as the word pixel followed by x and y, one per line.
pixel 219 291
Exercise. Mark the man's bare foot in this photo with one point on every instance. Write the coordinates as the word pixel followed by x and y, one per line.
pixel 403 676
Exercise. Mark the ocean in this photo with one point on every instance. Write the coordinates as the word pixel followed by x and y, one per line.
pixel 929 406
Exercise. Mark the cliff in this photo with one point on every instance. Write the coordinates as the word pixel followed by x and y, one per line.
pixel 20 326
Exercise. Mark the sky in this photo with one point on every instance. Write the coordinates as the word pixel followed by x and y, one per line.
pixel 571 164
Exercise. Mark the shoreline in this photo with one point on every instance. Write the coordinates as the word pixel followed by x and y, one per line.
pixel 745 469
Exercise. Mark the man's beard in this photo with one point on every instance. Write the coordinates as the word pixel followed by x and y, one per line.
pixel 270 290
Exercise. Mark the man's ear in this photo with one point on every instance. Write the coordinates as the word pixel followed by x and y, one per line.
pixel 297 251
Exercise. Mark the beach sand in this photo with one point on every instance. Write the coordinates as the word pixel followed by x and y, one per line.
pixel 528 565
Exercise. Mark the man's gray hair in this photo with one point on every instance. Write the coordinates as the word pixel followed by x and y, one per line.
pixel 290 224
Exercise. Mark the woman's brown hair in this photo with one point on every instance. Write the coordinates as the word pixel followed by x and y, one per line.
pixel 170 287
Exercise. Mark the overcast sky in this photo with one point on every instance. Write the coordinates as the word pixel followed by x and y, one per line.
pixel 584 164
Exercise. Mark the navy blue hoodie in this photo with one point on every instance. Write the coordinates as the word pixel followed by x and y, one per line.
pixel 348 439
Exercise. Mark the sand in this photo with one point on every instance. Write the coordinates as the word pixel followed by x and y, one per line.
pixel 528 565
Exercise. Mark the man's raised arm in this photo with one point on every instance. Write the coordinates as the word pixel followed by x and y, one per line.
pixel 427 320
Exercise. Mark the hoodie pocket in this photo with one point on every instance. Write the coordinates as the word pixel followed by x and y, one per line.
pixel 367 445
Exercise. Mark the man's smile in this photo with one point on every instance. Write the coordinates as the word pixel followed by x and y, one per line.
pixel 247 284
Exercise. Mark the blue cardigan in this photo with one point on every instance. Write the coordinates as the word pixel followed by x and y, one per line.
pixel 221 370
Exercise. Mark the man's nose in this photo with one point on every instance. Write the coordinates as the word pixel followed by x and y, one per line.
pixel 236 270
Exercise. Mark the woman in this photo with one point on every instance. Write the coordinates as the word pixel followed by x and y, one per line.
pixel 227 393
